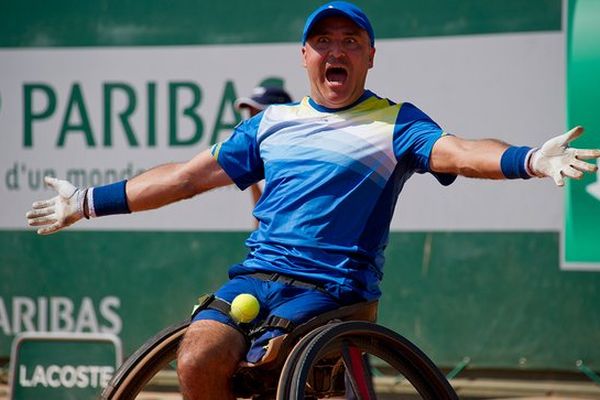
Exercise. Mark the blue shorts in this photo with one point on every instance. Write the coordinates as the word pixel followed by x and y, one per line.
pixel 294 303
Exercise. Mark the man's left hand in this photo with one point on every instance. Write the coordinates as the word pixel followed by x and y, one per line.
pixel 557 160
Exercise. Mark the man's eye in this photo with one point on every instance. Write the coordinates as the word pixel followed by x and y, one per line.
pixel 351 43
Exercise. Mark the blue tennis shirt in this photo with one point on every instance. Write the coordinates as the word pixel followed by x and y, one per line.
pixel 332 178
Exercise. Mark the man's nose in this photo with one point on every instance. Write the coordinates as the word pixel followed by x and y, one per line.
pixel 336 50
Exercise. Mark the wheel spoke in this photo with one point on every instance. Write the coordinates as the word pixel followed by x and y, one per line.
pixel 357 372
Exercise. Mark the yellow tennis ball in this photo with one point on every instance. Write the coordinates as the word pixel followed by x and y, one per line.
pixel 244 308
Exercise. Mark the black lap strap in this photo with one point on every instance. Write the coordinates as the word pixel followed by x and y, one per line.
pixel 273 321
pixel 220 305
pixel 211 302
pixel 288 280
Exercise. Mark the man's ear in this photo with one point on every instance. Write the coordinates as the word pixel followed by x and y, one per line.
pixel 304 56
pixel 371 57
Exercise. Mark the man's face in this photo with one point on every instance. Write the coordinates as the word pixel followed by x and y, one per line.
pixel 337 57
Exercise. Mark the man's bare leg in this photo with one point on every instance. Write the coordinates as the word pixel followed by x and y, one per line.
pixel 208 356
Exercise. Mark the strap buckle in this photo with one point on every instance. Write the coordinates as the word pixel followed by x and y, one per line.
pixel 273 322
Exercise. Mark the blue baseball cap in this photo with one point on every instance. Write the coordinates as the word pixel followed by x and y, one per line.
pixel 342 8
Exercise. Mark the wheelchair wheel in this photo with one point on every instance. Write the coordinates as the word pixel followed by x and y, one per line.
pixel 155 355
pixel 321 362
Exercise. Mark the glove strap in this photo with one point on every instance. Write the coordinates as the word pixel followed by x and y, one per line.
pixel 514 162
pixel 108 200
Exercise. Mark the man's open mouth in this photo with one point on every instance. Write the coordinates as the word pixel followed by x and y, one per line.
pixel 336 75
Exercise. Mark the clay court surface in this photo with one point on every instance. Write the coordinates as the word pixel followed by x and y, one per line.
pixel 467 389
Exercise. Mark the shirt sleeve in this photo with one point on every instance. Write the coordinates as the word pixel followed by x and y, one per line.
pixel 414 136
pixel 239 156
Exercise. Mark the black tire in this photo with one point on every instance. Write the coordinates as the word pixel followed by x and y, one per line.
pixel 145 363
pixel 156 353
pixel 333 340
pixel 292 360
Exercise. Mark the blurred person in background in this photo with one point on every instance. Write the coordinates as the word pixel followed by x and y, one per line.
pixel 261 98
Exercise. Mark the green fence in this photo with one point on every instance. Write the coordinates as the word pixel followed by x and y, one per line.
pixel 498 298
pixel 128 23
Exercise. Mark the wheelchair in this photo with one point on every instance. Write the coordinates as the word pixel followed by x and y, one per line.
pixel 330 355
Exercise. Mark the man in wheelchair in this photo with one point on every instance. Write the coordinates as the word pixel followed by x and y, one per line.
pixel 334 165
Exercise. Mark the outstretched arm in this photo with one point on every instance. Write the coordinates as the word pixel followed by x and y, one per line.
pixel 169 183
pixel 470 158
pixel 493 159
pixel 154 188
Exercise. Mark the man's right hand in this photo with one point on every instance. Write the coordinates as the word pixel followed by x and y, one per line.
pixel 60 211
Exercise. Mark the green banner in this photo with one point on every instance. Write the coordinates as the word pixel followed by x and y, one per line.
pixel 48 366
pixel 582 205
pixel 193 22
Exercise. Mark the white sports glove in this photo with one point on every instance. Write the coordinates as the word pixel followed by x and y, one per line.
pixel 556 159
pixel 60 211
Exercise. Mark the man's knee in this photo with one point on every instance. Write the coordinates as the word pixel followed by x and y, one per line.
pixel 210 347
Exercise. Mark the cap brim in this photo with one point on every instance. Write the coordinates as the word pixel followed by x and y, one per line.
pixel 245 102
